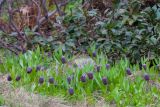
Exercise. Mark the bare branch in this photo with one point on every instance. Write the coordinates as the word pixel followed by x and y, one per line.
pixel 5 46
pixel 49 15
pixel 44 19
pixel 11 21
pixel 58 9
pixel 39 14
pixel 45 8
pixel 14 34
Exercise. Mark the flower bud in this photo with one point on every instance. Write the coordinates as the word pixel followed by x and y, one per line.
pixel 98 68
pixel 144 66
pixel 69 80
pixel 29 70
pixel 104 80
pixel 18 78
pixel 63 60
pixel 51 80
pixel 41 80
pixel 94 54
pixel 146 77
pixel 83 78
pixel 128 71
pixel 38 68
pixel 107 66
pixel 90 75
pixel 71 91
pixel 9 78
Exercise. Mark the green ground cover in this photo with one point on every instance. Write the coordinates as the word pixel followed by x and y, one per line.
pixel 118 83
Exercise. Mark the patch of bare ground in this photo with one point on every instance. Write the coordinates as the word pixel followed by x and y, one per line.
pixel 21 98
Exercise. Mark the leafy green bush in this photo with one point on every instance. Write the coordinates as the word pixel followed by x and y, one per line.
pixel 128 30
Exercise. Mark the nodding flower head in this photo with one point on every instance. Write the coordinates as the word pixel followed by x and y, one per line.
pixel 38 68
pixel 83 78
pixel 128 71
pixel 41 80
pixel 90 75
pixel 146 77
pixel 9 78
pixel 98 68
pixel 29 70
pixel 71 91
pixel 18 78
pixel 107 66
pixel 144 66
pixel 63 60
pixel 51 80
pixel 69 80
pixel 49 54
pixel 94 54
pixel 104 80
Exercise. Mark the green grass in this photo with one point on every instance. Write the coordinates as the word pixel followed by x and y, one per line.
pixel 123 90
pixel 1 100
